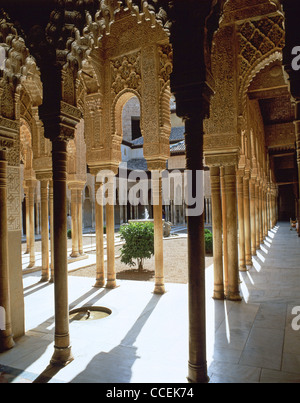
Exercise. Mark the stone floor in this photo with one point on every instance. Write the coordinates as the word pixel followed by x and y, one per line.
pixel 145 339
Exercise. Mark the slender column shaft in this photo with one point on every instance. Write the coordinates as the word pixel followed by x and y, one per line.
pixel 62 350
pixel 79 206
pixel 241 225
pixel 232 239
pixel 51 230
pixel 247 222
pixel 253 217
pixel 45 230
pixel 197 365
pixel 261 236
pixel 110 237
pixel 31 191
pixel 297 131
pixel 217 232
pixel 100 277
pixel 264 212
pixel 158 232
pixel 257 226
pixel 74 217
pixel 6 337
pixel 224 222
pixel 268 210
pixel 27 220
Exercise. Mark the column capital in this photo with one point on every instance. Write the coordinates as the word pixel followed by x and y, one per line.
pixel 30 183
pixel 76 185
pixel 95 169
pixel 44 177
pixel 221 159
pixel 156 165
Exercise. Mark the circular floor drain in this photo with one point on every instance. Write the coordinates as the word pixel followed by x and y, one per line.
pixel 89 313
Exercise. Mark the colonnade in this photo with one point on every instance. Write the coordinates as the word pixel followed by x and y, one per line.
pixel 244 209
pixel 46 217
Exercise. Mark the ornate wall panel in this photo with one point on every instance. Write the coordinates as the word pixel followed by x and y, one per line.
pixel 13 198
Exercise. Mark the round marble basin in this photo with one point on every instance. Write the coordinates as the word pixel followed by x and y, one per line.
pixel 89 313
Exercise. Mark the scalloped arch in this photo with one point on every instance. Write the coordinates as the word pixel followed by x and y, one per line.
pixel 257 67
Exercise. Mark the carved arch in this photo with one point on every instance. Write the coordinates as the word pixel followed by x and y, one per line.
pixel 117 106
pixel 258 66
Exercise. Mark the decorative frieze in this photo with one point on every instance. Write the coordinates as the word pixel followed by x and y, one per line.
pixel 13 198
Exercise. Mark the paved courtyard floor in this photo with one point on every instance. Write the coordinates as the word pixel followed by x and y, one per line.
pixel 145 339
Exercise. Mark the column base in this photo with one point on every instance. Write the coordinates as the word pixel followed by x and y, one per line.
pixel 159 289
pixel 219 295
pixel 62 356
pixel 74 254
pixel 111 284
pixel 233 296
pixel 99 284
pixel 197 373
pixel 6 343
pixel 44 279
pixel 243 269
pixel 31 265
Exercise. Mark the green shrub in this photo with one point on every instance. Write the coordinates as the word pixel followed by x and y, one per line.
pixel 69 234
pixel 139 243
pixel 208 241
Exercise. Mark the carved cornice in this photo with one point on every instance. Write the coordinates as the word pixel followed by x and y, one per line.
pixel 221 159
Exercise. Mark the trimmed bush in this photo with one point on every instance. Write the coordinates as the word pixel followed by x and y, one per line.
pixel 139 243
pixel 208 241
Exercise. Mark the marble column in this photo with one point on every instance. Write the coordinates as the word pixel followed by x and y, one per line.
pixel 74 217
pixel 224 223
pixel 100 276
pixel 261 229
pixel 197 365
pixel 257 214
pixel 265 231
pixel 217 232
pixel 79 207
pixel 62 349
pixel 110 235
pixel 27 219
pixel 233 293
pixel 51 231
pixel 6 336
pixel 253 216
pixel 159 287
pixel 241 224
pixel 45 230
pixel 30 185
pixel 297 132
pixel 247 221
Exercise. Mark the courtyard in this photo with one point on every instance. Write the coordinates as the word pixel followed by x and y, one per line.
pixel 145 339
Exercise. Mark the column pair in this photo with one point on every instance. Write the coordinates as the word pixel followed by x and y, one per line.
pixel 45 228
pixel 106 182
pixel 29 189
pixel 76 217
pixel 224 214
pixel 244 226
